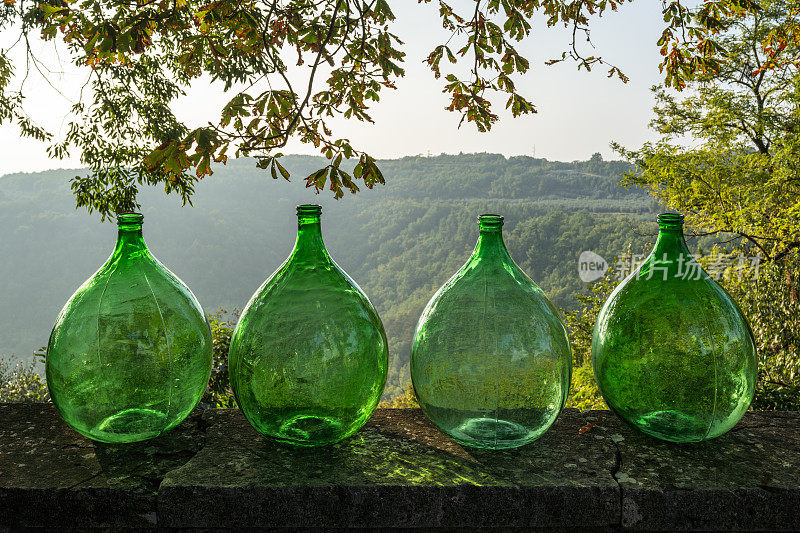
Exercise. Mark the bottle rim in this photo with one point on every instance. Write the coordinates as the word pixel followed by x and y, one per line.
pixel 309 209
pixel 129 219
pixel 670 220
pixel 490 220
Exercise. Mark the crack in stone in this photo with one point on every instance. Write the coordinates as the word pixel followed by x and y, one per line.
pixel 202 426
pixel 614 470
pixel 96 474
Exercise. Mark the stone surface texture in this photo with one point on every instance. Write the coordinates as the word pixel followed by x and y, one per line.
pixel 214 471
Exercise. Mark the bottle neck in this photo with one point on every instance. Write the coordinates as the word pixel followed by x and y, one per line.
pixel 130 241
pixel 490 245
pixel 309 243
pixel 671 259
pixel 671 244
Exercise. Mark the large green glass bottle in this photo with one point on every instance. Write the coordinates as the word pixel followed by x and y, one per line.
pixel 673 355
pixel 491 361
pixel 308 358
pixel 130 354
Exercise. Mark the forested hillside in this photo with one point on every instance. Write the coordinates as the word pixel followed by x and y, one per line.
pixel 400 241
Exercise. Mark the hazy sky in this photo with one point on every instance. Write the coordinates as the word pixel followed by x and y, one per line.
pixel 579 112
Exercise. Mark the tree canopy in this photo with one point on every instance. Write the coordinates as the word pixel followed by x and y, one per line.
pixel 270 55
pixel 739 173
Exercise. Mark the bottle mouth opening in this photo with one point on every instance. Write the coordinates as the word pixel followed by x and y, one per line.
pixel 670 220
pixel 130 219
pixel 309 209
pixel 489 220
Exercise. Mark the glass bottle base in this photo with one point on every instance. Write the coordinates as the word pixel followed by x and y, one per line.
pixel 502 432
pixel 673 425
pixel 305 428
pixel 310 430
pixel 483 430
pixel 130 425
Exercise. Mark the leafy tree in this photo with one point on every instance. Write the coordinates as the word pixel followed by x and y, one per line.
pixel 770 300
pixel 140 56
pixel 740 176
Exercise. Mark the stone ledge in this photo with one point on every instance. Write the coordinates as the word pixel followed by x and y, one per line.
pixel 214 471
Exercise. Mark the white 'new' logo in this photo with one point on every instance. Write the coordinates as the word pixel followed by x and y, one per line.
pixel 591 266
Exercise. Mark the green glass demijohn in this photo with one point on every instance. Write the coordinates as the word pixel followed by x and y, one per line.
pixel 308 359
pixel 491 361
pixel 673 354
pixel 130 354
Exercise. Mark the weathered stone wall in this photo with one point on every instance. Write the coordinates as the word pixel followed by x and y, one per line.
pixel 215 471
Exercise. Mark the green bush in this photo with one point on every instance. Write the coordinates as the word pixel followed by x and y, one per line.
pixel 407 398
pixel 583 392
pixel 218 393
pixel 22 383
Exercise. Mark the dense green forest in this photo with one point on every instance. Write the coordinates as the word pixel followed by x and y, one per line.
pixel 400 242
